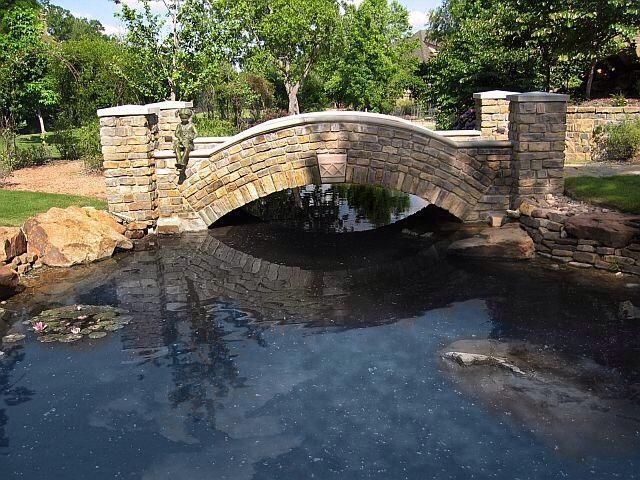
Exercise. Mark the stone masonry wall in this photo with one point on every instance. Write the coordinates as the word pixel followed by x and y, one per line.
pixel 537 126
pixel 492 114
pixel 581 124
pixel 560 234
pixel 377 155
pixel 472 178
pixel 128 142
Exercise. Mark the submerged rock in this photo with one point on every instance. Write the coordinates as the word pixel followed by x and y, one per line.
pixel 470 359
pixel 508 242
pixel 71 236
pixel 628 311
pixel 13 337
pixel 567 401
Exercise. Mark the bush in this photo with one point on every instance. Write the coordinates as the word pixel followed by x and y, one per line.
pixel 618 141
pixel 80 144
pixel 30 157
pixel 213 127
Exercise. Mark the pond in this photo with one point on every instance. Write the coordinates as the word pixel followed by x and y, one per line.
pixel 253 351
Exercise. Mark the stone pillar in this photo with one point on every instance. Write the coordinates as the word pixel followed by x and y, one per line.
pixel 167 121
pixel 492 113
pixel 128 137
pixel 537 129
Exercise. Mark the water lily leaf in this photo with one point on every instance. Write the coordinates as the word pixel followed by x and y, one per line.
pixel 97 334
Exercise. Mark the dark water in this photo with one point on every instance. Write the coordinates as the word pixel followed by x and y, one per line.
pixel 336 208
pixel 258 354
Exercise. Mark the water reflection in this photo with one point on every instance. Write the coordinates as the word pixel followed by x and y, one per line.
pixel 268 363
pixel 336 208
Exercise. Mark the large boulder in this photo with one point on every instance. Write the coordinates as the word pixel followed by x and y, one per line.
pixel 611 229
pixel 508 242
pixel 12 243
pixel 71 236
pixel 9 279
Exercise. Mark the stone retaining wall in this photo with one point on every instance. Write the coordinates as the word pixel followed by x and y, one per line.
pixel 492 120
pixel 581 240
pixel 581 124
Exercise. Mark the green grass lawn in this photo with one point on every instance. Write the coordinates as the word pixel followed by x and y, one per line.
pixel 16 206
pixel 620 191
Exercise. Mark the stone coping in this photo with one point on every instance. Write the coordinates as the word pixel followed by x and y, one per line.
pixel 126 110
pixel 602 109
pixel 538 97
pixel 151 108
pixel 170 105
pixel 210 139
pixel 459 133
pixel 494 95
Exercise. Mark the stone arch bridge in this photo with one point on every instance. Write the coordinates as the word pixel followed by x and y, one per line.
pixel 518 152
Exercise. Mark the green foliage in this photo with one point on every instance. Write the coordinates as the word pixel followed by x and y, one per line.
pixel 376 61
pixel 30 157
pixel 620 191
pixel 89 76
pixel 26 87
pixel 62 25
pixel 618 100
pixel 213 127
pixel 80 144
pixel 619 141
pixel 522 45
pixel 290 36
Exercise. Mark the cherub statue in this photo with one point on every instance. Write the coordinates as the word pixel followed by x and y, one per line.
pixel 183 138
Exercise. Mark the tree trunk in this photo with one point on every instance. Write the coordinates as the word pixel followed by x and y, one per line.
pixel 292 92
pixel 41 121
pixel 592 73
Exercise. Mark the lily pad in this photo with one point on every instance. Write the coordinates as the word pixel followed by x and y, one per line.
pixel 97 334
pixel 70 337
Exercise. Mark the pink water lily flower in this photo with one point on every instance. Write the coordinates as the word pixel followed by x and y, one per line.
pixel 39 326
pixel 75 330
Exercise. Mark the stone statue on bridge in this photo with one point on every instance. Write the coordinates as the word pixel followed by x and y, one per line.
pixel 183 138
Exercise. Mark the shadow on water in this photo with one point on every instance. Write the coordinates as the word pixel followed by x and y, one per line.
pixel 256 353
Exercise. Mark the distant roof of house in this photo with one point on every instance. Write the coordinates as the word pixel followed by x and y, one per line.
pixel 427 48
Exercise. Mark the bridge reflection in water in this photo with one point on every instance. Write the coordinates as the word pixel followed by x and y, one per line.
pixel 248 353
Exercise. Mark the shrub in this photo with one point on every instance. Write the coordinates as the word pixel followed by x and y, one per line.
pixel 80 144
pixel 213 127
pixel 30 157
pixel 618 141
pixel 618 100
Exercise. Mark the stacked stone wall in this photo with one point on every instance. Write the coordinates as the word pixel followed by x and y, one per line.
pixel 128 143
pixel 548 229
pixel 492 117
pixel 451 178
pixel 582 121
pixel 537 127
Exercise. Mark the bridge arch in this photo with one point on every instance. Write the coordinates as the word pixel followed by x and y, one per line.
pixel 334 147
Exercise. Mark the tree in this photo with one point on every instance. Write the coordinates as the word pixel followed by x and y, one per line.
pixel 62 25
pixel 153 64
pixel 26 86
pixel 290 35
pixel 376 63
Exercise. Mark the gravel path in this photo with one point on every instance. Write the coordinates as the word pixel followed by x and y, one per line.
pixel 57 177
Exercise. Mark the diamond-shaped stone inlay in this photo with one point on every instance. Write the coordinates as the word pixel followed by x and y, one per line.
pixel 333 167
